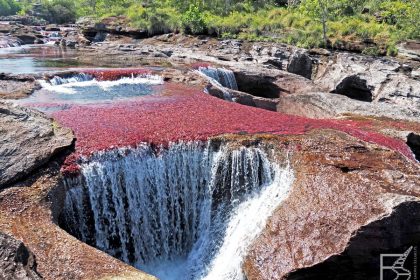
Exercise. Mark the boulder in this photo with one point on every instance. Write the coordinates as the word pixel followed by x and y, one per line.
pixel 28 139
pixel 368 79
pixel 300 63
pixel 355 87
pixel 324 105
pixel 17 86
pixel 16 261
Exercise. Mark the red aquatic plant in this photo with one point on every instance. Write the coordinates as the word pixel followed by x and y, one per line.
pixel 188 114
pixel 198 65
pixel 115 73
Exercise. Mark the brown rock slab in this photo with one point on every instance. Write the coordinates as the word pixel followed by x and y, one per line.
pixel 16 261
pixel 28 139
pixel 29 212
pixel 344 202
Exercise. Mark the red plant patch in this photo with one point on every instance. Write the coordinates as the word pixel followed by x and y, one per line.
pixel 188 114
pixel 198 65
pixel 115 73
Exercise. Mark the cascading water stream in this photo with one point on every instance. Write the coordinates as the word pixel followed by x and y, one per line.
pixel 10 44
pixel 224 77
pixel 221 78
pixel 188 213
pixel 81 77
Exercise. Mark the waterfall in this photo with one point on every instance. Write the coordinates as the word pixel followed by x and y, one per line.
pixel 224 77
pixel 220 78
pixel 81 77
pixel 10 43
pixel 189 212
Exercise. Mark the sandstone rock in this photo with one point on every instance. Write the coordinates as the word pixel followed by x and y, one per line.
pixel 344 210
pixel 324 105
pixel 16 261
pixel 16 86
pixel 25 20
pixel 257 68
pixel 409 50
pixel 28 140
pixel 26 38
pixel 270 83
pixel 355 87
pixel 368 79
pixel 97 31
pixel 243 98
pixel 29 212
pixel 52 27
pixel 9 41
pixel 301 64
pixel 394 233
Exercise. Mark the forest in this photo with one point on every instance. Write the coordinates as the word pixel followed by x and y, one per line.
pixel 305 23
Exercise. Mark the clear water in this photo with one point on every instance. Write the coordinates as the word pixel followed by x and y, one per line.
pixel 84 89
pixel 29 59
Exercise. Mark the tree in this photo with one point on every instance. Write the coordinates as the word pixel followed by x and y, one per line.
pixel 324 11
pixel 324 18
pixel 8 7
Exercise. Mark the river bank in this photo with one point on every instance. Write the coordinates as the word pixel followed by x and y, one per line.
pixel 150 154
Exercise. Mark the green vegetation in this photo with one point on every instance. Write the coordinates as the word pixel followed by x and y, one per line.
pixel 305 23
pixel 9 7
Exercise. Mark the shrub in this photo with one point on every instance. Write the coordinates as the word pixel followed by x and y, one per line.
pixel 391 50
pixel 373 51
pixel 9 7
pixel 193 21
pixel 58 11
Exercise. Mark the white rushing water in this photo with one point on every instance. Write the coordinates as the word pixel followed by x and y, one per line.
pixel 224 77
pixel 190 212
pixel 9 44
pixel 221 79
pixel 57 80
pixel 79 82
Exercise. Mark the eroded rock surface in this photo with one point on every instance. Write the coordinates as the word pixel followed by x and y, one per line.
pixel 368 79
pixel 324 105
pixel 345 199
pixel 259 66
pixel 16 261
pixel 28 213
pixel 17 86
pixel 391 234
pixel 28 139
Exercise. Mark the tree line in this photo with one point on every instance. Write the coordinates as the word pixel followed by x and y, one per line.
pixel 306 23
